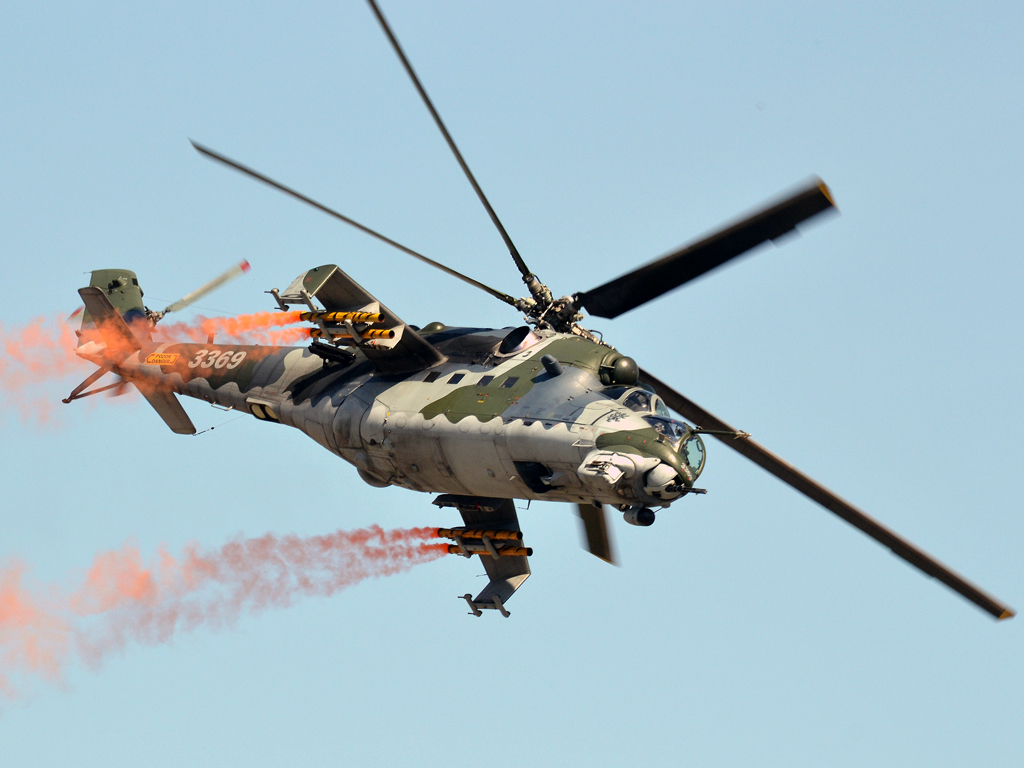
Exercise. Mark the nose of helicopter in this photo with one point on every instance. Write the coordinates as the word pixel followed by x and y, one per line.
pixel 650 472
pixel 666 482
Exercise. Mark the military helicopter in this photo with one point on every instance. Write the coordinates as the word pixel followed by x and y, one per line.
pixel 545 411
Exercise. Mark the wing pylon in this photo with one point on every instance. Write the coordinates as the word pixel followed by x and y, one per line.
pixel 395 348
pixel 492 527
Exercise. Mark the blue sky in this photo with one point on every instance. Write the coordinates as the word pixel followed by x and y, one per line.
pixel 879 352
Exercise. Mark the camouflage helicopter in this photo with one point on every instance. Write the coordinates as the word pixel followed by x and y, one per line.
pixel 545 411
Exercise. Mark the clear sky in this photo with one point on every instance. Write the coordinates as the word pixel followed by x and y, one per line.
pixel 880 352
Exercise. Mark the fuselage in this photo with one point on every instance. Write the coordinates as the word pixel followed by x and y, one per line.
pixel 493 420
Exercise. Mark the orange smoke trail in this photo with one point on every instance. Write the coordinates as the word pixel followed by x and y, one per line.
pixel 35 357
pixel 242 329
pixel 122 599
pixel 287 336
pixel 34 639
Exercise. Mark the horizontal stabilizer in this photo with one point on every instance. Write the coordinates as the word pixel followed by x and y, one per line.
pixel 167 405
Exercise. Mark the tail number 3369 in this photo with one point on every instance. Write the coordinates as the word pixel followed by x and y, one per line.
pixel 214 358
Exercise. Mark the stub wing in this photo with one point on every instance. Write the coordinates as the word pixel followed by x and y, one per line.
pixel 405 351
pixel 484 516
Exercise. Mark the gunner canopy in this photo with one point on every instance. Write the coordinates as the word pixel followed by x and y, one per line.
pixel 679 435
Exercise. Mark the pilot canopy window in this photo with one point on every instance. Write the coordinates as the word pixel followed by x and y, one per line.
pixel 638 401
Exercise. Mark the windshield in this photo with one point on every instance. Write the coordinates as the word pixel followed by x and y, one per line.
pixel 672 431
pixel 683 441
pixel 638 400
pixel 692 452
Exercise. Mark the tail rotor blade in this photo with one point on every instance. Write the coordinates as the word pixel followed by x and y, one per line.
pixel 595 532
pixel 238 269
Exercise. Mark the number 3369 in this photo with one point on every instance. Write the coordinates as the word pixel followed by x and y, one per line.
pixel 212 358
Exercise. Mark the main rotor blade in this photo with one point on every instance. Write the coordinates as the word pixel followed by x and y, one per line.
pixel 595 531
pixel 523 269
pixel 672 270
pixel 787 473
pixel 238 269
pixel 331 212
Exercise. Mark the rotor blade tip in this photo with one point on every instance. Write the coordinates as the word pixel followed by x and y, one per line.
pixel 245 265
pixel 823 188
pixel 1009 613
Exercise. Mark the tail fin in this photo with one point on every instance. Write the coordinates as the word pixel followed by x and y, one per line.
pixel 121 287
pixel 101 314
pixel 120 340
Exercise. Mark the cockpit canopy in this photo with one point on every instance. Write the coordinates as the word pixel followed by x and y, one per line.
pixel 683 440
pixel 679 435
pixel 639 400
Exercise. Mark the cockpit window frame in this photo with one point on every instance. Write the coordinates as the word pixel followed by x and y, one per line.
pixel 621 393
pixel 678 434
pixel 691 435
pixel 616 392
pixel 646 406
pixel 660 409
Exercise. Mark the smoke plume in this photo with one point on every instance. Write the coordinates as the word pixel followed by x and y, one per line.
pixel 120 599
pixel 38 363
pixel 33 358
pixel 255 328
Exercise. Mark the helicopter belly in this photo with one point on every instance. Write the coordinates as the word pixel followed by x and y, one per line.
pixel 487 458
pixel 437 456
pixel 376 456
pixel 476 453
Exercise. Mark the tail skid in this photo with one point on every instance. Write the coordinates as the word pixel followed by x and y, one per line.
pixel 79 391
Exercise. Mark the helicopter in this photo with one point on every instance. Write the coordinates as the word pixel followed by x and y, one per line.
pixel 482 417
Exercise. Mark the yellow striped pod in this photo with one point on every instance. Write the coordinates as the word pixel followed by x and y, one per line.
pixel 474 533
pixel 476 549
pixel 372 333
pixel 341 317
